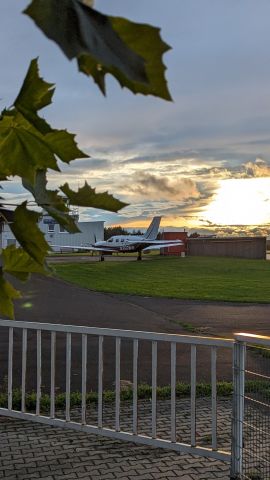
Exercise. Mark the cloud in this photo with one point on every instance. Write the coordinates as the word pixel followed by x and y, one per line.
pixel 152 186
pixel 88 164
pixel 233 230
pixel 158 157
pixel 259 168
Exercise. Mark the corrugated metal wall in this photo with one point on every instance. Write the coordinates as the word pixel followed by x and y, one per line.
pixel 240 247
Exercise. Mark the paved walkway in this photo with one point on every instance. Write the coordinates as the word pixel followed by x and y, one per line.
pixel 33 451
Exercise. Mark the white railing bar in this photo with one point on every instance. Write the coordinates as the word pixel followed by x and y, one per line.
pixel 258 402
pixel 166 337
pixel 126 436
pixel 52 395
pixel 68 368
pixel 263 460
pixel 10 366
pixel 173 386
pixel 193 395
pixel 154 389
pixel 100 380
pixel 266 377
pixel 84 376
pixel 214 396
pixel 38 372
pixel 24 354
pixel 251 338
pixel 257 429
pixel 117 383
pixel 135 386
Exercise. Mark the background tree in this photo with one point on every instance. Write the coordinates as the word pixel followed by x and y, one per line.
pixel 29 146
pixel 112 231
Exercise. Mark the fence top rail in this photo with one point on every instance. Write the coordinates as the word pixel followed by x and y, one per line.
pixel 252 338
pixel 129 334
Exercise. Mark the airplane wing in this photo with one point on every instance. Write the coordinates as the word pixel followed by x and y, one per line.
pixel 162 245
pixel 157 242
pixel 94 249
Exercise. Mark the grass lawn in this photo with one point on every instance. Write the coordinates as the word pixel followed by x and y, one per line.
pixel 197 278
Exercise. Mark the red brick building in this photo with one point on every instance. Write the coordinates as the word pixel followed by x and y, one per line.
pixel 177 250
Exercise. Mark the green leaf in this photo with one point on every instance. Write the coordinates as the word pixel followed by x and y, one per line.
pixel 7 295
pixel 34 95
pixel 22 149
pixel 51 201
pixel 144 40
pixel 26 231
pixel 63 145
pixel 27 142
pixel 87 197
pixel 19 264
pixel 35 92
pixel 131 52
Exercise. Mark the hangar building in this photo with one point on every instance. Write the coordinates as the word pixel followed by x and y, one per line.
pixel 90 232
pixel 240 247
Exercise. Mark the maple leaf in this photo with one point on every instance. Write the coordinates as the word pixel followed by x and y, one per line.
pixel 102 44
pixel 53 203
pixel 27 142
pixel 19 264
pixel 7 294
pixel 87 197
pixel 26 231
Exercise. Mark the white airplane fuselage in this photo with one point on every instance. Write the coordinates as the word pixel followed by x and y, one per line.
pixel 122 243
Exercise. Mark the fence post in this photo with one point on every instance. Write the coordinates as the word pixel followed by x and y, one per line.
pixel 239 355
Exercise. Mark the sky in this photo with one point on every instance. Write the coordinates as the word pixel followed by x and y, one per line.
pixel 201 161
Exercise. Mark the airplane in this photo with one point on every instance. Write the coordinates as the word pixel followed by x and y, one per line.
pixel 131 243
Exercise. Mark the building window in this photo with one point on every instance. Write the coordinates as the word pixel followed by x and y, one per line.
pixel 51 227
pixel 61 229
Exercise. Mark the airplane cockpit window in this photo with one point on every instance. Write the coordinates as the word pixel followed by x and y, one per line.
pixel 117 239
pixel 110 240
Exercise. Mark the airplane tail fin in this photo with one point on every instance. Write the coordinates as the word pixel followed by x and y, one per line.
pixel 152 231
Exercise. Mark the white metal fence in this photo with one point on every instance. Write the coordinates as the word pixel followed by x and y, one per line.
pixel 120 426
pixel 117 431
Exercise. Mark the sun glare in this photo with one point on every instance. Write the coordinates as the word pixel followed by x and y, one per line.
pixel 241 202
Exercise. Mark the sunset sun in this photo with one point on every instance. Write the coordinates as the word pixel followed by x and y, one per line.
pixel 240 202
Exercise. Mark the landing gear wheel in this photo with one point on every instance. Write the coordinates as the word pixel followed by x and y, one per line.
pixel 139 256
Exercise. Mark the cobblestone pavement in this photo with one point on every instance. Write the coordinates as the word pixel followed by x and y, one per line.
pixel 35 451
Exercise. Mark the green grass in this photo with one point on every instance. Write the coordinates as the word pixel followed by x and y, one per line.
pixel 197 278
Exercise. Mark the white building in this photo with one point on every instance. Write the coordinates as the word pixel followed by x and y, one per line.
pixel 90 232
